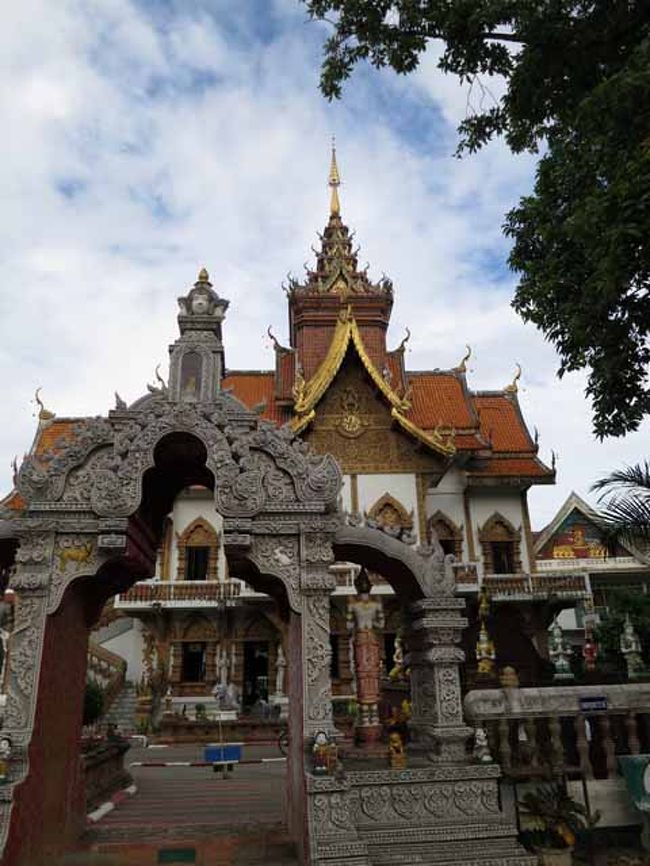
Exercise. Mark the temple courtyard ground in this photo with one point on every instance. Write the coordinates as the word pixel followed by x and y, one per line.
pixel 193 815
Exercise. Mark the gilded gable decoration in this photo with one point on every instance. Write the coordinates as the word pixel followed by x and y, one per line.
pixel 389 512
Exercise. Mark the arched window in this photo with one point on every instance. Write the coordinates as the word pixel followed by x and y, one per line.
pixel 198 551
pixel 191 366
pixel 447 532
pixel 501 544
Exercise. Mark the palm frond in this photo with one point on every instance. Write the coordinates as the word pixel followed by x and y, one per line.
pixel 637 476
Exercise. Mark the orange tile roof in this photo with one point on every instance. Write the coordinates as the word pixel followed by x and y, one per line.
pixel 439 398
pixel 57 432
pixel 14 501
pixel 254 388
pixel 394 364
pixel 525 467
pixel 502 423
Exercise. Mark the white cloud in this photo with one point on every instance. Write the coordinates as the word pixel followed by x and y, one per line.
pixel 137 151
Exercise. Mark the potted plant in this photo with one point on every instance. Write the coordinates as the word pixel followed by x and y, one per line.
pixel 552 820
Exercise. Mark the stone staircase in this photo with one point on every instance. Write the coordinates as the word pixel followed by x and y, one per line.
pixel 122 710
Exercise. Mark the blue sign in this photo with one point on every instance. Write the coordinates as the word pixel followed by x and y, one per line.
pixel 593 705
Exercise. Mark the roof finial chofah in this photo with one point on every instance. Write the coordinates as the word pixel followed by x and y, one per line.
pixel 462 366
pixel 43 413
pixel 513 387
pixel 334 181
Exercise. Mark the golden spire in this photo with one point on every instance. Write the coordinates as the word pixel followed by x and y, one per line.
pixel 204 276
pixel 334 183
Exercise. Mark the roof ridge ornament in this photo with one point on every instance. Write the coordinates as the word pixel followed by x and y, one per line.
pixel 513 387
pixel 334 180
pixel 43 413
pixel 462 366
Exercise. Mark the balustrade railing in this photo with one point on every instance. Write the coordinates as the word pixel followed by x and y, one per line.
pixel 502 587
pixel 590 563
pixel 180 593
pixel 108 670
pixel 569 730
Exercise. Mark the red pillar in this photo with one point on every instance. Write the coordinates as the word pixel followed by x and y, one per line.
pixel 48 814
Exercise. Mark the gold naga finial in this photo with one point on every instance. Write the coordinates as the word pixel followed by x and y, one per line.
pixel 43 413
pixel 462 366
pixel 334 181
pixel 204 276
pixel 512 388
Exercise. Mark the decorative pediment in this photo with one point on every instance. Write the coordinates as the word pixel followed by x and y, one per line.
pixel 388 511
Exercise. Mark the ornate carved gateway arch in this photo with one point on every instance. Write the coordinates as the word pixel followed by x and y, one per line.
pixel 88 513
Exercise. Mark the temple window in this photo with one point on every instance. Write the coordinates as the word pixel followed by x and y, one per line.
pixel 196 563
pixel 503 557
pixel 198 552
pixel 191 376
pixel 448 534
pixel 193 663
pixel 501 544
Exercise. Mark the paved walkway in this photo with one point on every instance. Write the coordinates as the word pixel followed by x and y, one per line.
pixel 194 815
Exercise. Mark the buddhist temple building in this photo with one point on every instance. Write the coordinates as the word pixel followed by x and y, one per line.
pixel 425 457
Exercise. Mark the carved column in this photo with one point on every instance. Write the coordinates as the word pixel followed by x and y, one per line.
pixel 317 585
pixel 434 634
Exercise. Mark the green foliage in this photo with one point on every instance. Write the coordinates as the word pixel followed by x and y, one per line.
pixel 578 83
pixel 93 703
pixel 554 817
pixel 608 632
pixel 625 494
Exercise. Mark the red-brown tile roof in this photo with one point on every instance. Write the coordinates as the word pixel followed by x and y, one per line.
pixel 439 398
pixel 524 467
pixel 14 501
pixel 54 435
pixel 502 424
pixel 254 388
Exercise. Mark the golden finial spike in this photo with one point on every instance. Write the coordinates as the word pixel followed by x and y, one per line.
pixel 334 183
pixel 512 388
pixel 204 276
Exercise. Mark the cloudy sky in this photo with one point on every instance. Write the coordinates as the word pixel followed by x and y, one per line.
pixel 143 140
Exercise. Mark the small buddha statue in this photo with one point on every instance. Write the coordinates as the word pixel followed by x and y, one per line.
pixel 396 752
pixel 481 747
pixel 321 754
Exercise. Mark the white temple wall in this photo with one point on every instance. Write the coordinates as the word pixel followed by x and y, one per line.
pixel 485 502
pixel 346 494
pixel 188 508
pixel 129 646
pixel 447 497
pixel 400 486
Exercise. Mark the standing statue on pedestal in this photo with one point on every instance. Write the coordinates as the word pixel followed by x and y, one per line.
pixel 223 664
pixel 631 649
pixel 365 620
pixel 559 653
pixel 280 667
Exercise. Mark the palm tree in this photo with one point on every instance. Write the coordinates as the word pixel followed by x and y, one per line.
pixel 625 495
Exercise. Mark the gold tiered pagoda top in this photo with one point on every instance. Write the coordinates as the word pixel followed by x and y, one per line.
pixel 337 265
